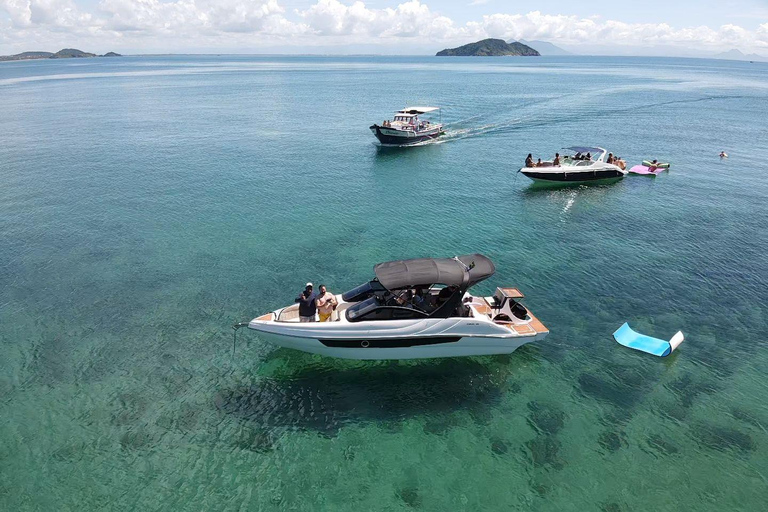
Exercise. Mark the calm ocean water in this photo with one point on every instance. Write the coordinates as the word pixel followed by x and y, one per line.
pixel 147 204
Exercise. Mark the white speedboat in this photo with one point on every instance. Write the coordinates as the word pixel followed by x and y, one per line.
pixel 412 309
pixel 407 128
pixel 575 167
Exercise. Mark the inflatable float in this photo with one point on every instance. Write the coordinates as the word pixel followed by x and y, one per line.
pixel 642 169
pixel 660 165
pixel 624 335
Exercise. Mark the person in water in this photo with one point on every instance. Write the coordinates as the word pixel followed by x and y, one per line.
pixel 529 161
pixel 556 161
pixel 326 303
pixel 307 304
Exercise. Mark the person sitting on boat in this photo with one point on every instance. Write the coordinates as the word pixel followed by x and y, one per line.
pixel 307 304
pixel 538 163
pixel 588 157
pixel 326 303
pixel 621 164
pixel 529 160
pixel 405 298
pixel 556 161
pixel 418 299
pixel 577 156
pixel 610 158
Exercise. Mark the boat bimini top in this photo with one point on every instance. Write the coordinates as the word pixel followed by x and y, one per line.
pixel 417 110
pixel 401 278
pixel 461 270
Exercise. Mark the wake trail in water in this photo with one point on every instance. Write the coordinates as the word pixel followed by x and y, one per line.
pixel 549 112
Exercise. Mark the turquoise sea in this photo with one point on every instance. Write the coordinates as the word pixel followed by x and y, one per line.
pixel 148 203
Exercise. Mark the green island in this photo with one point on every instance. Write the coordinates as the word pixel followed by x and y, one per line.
pixel 66 53
pixel 490 48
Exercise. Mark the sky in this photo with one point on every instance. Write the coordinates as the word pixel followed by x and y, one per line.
pixel 415 27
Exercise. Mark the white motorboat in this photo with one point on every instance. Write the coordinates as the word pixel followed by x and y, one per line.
pixel 407 128
pixel 417 308
pixel 576 167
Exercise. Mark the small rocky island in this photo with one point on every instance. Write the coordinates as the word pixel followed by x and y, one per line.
pixel 490 48
pixel 66 53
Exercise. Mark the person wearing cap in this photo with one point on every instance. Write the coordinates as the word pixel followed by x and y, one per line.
pixel 326 303
pixel 307 304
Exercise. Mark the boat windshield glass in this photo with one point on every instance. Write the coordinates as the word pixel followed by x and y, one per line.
pixel 363 291
pixel 361 308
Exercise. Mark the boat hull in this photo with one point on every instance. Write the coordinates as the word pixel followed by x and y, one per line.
pixel 369 348
pixel 394 137
pixel 574 176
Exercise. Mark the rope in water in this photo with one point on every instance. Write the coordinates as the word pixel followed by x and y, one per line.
pixel 234 334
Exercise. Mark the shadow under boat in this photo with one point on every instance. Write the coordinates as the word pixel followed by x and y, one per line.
pixel 326 397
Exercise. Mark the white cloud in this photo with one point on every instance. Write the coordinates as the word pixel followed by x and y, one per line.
pixel 55 13
pixel 186 16
pixel 409 19
pixel 175 25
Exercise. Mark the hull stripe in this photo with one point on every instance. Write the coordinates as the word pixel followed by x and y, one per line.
pixel 389 342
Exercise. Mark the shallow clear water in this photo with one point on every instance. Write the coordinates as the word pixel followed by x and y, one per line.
pixel 149 203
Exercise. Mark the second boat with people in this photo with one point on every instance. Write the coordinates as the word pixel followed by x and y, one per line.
pixel 577 164
pixel 407 128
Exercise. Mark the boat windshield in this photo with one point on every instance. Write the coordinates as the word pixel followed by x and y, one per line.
pixel 363 291
pixel 362 308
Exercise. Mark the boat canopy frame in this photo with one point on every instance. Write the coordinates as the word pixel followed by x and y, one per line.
pixel 457 274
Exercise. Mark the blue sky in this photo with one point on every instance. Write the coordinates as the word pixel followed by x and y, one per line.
pixel 650 27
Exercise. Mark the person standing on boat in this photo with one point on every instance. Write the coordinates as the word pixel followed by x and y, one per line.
pixel 326 303
pixel 307 304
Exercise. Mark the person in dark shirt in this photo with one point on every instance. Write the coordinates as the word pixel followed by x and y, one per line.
pixel 307 304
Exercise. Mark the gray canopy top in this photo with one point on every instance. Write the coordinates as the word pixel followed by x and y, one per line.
pixel 426 271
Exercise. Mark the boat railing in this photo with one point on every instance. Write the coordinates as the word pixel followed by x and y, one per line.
pixel 410 128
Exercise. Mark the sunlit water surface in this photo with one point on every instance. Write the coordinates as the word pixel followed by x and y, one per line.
pixel 147 204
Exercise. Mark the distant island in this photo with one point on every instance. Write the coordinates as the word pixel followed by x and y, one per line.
pixel 737 55
pixel 544 48
pixel 66 53
pixel 490 48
